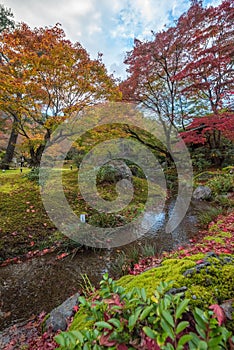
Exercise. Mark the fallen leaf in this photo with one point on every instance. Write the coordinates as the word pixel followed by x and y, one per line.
pixel 219 313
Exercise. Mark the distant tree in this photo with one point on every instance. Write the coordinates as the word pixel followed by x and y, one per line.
pixel 6 18
pixel 7 23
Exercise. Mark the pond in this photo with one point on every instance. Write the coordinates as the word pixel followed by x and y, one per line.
pixel 43 283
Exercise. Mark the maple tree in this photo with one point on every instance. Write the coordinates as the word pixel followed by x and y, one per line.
pixel 185 73
pixel 46 80
pixel 208 78
pixel 153 66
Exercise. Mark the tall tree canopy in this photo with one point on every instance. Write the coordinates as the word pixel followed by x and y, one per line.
pixel 186 72
pixel 44 79
pixel 208 77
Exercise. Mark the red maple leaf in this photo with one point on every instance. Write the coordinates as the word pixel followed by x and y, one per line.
pixel 218 313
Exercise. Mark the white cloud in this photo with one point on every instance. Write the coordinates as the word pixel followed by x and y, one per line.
pixel 102 25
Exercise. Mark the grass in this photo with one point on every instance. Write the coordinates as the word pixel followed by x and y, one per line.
pixel 24 223
pixel 108 192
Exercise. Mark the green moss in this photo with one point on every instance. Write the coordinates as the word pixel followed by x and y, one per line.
pixel 171 269
pixel 215 239
pixel 80 321
pixel 212 284
pixel 198 294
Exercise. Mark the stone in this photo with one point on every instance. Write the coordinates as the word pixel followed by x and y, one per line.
pixel 211 255
pixel 228 308
pixel 177 290
pixel 202 193
pixel 59 316
pixel 196 268
pixel 121 169
pixel 114 171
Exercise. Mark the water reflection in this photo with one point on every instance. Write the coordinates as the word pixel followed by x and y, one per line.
pixel 43 283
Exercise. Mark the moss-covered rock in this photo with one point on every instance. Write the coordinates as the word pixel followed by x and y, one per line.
pixel 209 285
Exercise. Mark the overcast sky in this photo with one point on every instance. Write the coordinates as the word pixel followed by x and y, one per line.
pixel 107 26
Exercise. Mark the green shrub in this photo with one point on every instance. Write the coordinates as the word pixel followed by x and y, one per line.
pixel 77 159
pixel 130 320
pixel 148 250
pixel 137 171
pixel 106 220
pixel 33 175
pixel 209 215
pixel 200 161
pixel 121 264
pixel 221 184
pixel 107 173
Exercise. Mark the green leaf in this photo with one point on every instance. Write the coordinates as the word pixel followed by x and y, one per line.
pixel 166 327
pixel 226 334
pixel 134 318
pixel 167 316
pixel 146 312
pixel 212 343
pixel 105 276
pixel 115 322
pixel 78 335
pixel 60 339
pixel 143 294
pixel 181 326
pixel 181 308
pixel 184 339
pixel 167 300
pixel 200 317
pixel 149 332
pixel 200 331
pixel 86 347
pixel 82 300
pixel 103 324
pixel 169 347
pixel 193 344
pixel 71 338
pixel 202 346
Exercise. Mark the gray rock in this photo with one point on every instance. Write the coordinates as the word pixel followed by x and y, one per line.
pixel 114 171
pixel 177 290
pixel 211 255
pixel 196 268
pixel 227 260
pixel 189 272
pixel 227 308
pixel 121 169
pixel 59 316
pixel 202 192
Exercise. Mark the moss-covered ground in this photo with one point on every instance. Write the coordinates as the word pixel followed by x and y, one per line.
pixel 25 225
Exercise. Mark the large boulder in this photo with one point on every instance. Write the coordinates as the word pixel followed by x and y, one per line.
pixel 202 192
pixel 59 316
pixel 114 171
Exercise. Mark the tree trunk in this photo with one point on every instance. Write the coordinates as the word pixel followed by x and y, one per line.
pixel 36 154
pixel 7 159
